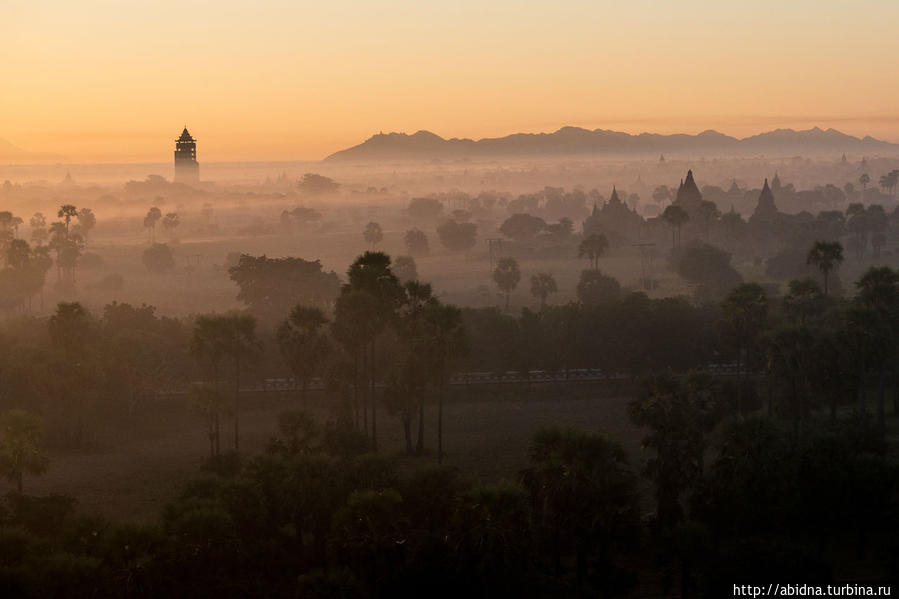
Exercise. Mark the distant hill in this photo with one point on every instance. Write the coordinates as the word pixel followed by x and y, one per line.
pixel 574 141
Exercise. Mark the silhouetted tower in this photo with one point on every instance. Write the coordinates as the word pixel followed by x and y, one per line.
pixel 187 169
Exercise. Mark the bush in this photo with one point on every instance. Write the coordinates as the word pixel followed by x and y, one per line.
pixel 159 258
pixel 457 236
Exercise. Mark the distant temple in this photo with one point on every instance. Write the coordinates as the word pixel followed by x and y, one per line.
pixel 688 195
pixel 614 219
pixel 187 169
pixel 765 211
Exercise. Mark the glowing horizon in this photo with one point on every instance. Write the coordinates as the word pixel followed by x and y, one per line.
pixel 109 81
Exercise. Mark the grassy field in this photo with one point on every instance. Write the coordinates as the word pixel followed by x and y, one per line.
pixel 130 473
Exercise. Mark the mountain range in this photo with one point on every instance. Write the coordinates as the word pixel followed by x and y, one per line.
pixel 575 141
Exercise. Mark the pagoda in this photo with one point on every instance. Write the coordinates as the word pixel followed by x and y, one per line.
pixel 765 211
pixel 187 169
pixel 688 195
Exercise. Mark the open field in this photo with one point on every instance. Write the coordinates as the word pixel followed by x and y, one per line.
pixel 131 474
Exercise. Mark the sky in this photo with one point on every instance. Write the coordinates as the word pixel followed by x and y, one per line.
pixel 116 80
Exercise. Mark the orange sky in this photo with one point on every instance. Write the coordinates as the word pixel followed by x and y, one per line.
pixel 110 80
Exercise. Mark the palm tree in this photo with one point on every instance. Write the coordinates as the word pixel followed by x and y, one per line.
pixel 593 247
pixel 799 303
pixel 217 336
pixel 303 344
pixel 22 446
pixel 210 403
pixel 708 210
pixel 371 276
pixel 240 342
pixel 745 310
pixel 153 216
pixel 450 341
pixel 506 276
pixel 878 290
pixel 542 285
pixel 864 180
pixel 826 255
pixel 675 216
pixel 67 212
pixel 208 342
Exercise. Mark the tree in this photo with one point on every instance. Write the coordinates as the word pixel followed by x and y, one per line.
pixel 802 300
pixel 315 185
pixel 22 446
pixel 542 285
pixel 597 289
pixel 373 234
pixel 522 227
pixel 864 180
pixel 158 258
pixel 592 248
pixel 370 300
pixel 87 220
pixel 210 403
pixel 303 344
pixel 745 311
pixel 675 216
pixel 506 276
pixel 153 216
pixel 170 222
pixel 271 287
pixel 416 242
pixel 708 210
pixel 584 498
pixel 677 416
pixel 67 212
pixel 39 231
pixel 878 291
pixel 449 343
pixel 217 336
pixel 457 236
pixel 826 255
pixel 425 209
pixel 405 269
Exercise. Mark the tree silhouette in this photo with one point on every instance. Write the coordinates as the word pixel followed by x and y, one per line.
pixel 542 285
pixel 416 242
pixel 826 255
pixel 170 222
pixel 675 216
pixel 373 233
pixel 303 344
pixel 708 210
pixel 154 215
pixel 22 446
pixel 87 220
pixel 745 311
pixel 67 212
pixel 592 248
pixel 506 276
pixel 217 336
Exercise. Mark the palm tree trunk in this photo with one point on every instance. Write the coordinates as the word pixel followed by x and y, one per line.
pixel 374 408
pixel 237 404
pixel 420 444
pixel 356 390
pixel 365 397
pixel 440 421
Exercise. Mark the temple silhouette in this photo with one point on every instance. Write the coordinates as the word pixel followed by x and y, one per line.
pixel 187 169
